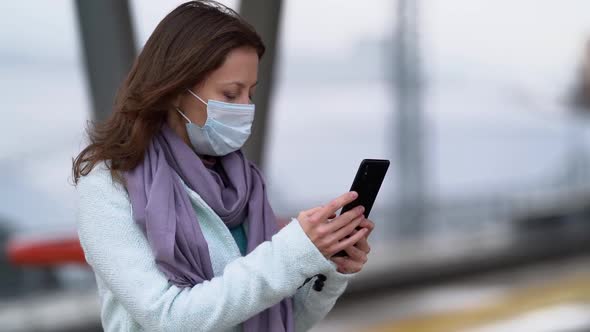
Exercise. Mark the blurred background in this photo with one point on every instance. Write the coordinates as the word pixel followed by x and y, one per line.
pixel 482 223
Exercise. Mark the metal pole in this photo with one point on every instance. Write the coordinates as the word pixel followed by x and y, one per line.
pixel 265 16
pixel 408 91
pixel 108 47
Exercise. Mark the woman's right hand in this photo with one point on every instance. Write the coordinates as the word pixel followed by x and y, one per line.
pixel 330 236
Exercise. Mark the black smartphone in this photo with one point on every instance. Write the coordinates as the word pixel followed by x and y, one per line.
pixel 367 182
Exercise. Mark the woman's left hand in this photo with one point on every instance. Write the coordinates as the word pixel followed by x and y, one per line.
pixel 357 253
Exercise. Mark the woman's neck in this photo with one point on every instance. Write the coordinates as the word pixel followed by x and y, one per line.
pixel 179 126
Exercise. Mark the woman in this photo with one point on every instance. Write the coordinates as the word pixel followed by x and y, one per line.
pixel 175 221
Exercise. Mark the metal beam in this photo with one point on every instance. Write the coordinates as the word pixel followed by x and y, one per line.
pixel 408 91
pixel 108 47
pixel 265 16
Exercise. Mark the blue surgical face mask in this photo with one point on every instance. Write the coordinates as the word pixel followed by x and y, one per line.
pixel 227 128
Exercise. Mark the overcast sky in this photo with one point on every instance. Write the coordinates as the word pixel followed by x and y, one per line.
pixel 542 31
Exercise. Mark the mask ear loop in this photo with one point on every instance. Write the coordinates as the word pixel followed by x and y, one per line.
pixel 184 116
pixel 195 95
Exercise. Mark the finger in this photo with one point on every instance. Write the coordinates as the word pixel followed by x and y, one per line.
pixel 335 205
pixel 363 245
pixel 340 263
pixel 344 231
pixel 332 216
pixel 312 210
pixel 346 265
pixel 347 242
pixel 356 254
pixel 345 219
pixel 367 224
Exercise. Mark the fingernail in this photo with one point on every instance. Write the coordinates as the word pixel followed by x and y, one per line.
pixel 354 194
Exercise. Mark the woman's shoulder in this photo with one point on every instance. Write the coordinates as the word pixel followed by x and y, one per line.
pixel 101 197
pixel 100 181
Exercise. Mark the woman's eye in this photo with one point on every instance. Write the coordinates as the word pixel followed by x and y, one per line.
pixel 230 96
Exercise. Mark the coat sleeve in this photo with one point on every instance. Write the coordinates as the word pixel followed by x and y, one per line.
pixel 312 306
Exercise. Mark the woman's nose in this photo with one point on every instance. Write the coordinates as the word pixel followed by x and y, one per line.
pixel 244 100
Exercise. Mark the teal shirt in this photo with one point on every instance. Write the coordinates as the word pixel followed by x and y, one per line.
pixel 239 235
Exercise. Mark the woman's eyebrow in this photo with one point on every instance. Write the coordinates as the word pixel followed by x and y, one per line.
pixel 240 84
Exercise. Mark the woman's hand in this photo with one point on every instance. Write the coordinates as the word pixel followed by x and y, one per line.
pixel 331 236
pixel 357 253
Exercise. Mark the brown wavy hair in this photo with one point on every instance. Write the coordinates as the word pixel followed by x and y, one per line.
pixel 189 43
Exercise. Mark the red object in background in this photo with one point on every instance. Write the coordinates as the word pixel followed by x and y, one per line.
pixel 50 252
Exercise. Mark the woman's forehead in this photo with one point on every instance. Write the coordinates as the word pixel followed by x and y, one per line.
pixel 240 67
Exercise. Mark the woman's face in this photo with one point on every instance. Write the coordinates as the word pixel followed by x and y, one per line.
pixel 233 82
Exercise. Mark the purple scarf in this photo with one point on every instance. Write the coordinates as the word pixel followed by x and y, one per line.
pixel 233 188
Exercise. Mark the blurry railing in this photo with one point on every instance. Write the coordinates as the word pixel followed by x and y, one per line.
pixel 465 235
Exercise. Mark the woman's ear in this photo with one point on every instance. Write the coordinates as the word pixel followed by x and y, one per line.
pixel 176 100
